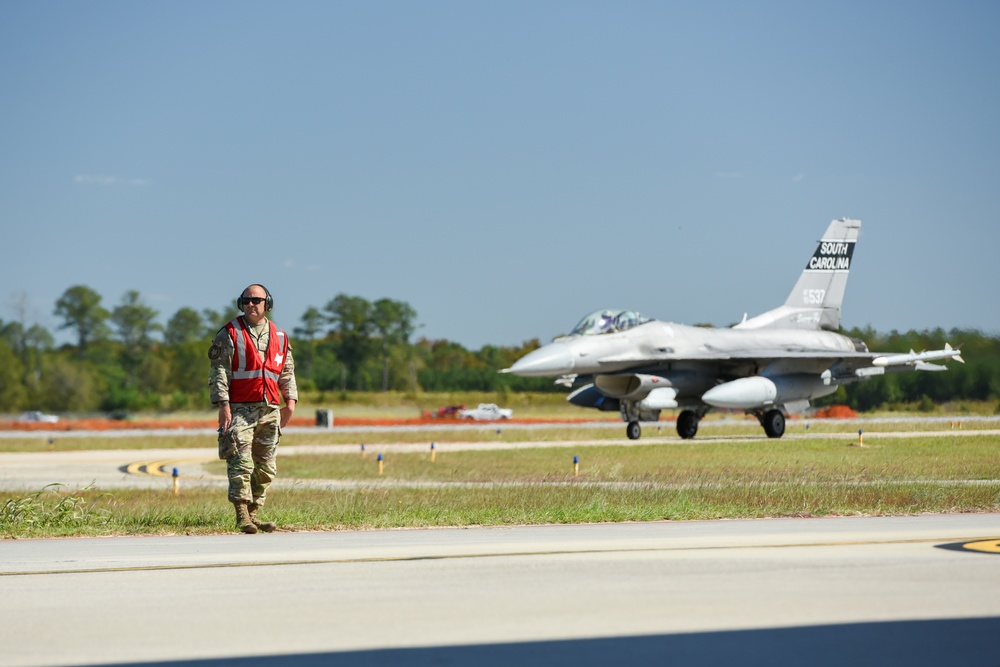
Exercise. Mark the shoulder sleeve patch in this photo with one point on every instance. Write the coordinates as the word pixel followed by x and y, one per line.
pixel 215 351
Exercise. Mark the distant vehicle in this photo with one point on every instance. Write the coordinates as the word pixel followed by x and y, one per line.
pixel 444 412
pixel 486 412
pixel 35 416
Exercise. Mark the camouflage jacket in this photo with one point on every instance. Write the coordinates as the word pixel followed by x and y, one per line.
pixel 221 356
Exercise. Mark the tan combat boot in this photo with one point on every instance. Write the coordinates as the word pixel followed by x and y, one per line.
pixel 266 526
pixel 243 521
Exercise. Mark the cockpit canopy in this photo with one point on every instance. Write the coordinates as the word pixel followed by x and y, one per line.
pixel 608 321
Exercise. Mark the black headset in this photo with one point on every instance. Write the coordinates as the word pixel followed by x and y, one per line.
pixel 268 300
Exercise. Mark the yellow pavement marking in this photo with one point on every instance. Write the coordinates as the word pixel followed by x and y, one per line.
pixel 991 546
pixel 156 468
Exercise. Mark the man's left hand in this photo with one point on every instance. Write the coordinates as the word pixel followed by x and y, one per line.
pixel 286 413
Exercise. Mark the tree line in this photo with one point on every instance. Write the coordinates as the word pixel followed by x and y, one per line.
pixel 978 379
pixel 124 360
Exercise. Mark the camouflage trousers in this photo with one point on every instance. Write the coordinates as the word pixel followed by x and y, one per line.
pixel 250 448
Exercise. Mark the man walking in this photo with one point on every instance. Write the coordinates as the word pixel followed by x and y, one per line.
pixel 252 371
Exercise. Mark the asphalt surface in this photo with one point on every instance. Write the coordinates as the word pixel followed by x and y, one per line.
pixel 858 591
pixel 921 590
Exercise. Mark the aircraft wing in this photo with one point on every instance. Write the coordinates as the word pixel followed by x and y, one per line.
pixel 856 359
pixel 835 367
pixel 874 363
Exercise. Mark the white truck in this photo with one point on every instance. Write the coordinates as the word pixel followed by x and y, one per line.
pixel 35 416
pixel 486 412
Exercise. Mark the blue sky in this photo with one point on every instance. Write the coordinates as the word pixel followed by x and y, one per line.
pixel 505 168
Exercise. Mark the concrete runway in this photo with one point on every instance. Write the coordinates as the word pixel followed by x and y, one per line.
pixel 858 591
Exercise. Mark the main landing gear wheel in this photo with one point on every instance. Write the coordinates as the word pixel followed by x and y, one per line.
pixel 773 422
pixel 687 424
pixel 633 430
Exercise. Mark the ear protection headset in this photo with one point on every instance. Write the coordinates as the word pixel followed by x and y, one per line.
pixel 268 300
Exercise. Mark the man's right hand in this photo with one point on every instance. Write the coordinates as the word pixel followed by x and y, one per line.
pixel 225 417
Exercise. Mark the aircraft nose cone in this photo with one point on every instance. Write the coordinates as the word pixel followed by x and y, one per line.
pixel 553 359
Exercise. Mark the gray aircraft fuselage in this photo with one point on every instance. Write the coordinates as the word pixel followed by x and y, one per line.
pixel 657 343
pixel 769 365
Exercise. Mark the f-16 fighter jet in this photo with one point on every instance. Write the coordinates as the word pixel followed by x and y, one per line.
pixel 770 365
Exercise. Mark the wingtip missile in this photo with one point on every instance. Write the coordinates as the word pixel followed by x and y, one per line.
pixel 916 357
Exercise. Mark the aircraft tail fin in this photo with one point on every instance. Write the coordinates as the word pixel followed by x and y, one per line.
pixel 815 301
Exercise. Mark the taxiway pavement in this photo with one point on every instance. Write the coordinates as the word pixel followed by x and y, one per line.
pixel 834 591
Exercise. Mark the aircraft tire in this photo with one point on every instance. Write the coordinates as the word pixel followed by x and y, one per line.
pixel 773 422
pixel 633 430
pixel 687 424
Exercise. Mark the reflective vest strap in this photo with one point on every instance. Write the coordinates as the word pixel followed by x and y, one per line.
pixel 239 345
pixel 277 343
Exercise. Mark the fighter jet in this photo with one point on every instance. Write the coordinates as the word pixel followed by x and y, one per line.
pixel 769 366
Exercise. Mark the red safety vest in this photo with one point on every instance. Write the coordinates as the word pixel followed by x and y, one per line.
pixel 255 379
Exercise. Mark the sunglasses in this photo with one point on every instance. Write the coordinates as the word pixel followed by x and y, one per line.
pixel 253 299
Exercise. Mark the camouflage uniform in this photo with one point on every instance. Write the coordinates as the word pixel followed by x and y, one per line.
pixel 250 446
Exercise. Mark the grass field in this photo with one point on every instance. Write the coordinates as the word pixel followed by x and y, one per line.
pixel 729 471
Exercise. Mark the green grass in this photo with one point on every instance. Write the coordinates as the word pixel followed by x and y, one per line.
pixel 820 460
pixel 712 426
pixel 201 512
pixel 664 479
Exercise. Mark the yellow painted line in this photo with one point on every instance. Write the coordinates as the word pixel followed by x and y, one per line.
pixel 985 546
pixel 156 468
pixel 510 554
pixel 135 468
